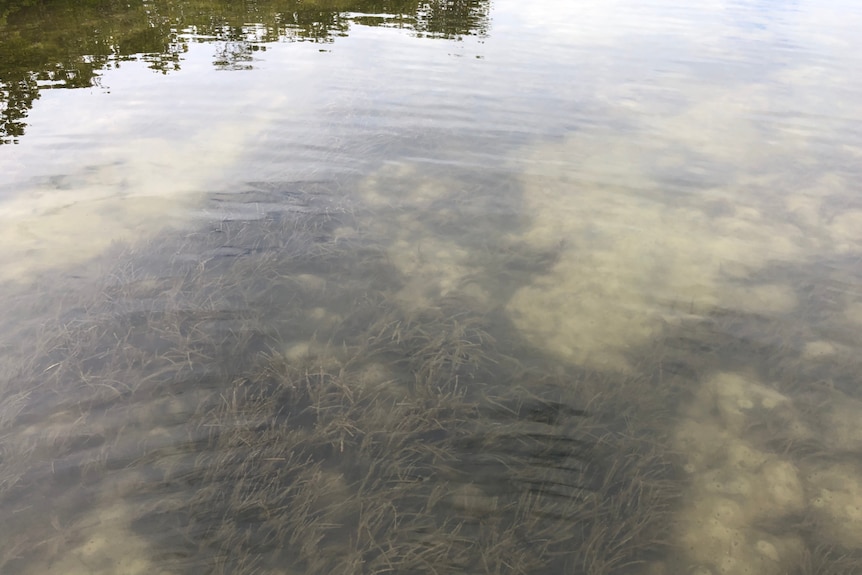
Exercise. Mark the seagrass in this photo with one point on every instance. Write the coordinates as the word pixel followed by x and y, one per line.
pixel 250 437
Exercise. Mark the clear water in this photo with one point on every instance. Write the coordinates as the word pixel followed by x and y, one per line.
pixel 459 287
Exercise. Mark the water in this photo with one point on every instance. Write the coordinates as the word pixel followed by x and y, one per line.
pixel 469 287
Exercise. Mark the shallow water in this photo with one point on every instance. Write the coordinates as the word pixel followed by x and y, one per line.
pixel 460 287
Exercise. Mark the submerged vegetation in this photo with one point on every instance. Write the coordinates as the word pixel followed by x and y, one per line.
pixel 268 402
pixel 267 406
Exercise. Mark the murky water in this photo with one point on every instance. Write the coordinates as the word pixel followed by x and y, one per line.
pixel 459 287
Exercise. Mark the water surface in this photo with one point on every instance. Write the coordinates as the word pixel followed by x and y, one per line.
pixel 461 287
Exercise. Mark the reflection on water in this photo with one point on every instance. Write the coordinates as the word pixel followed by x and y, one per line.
pixel 67 44
pixel 573 288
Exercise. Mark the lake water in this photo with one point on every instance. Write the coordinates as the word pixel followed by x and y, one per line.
pixel 464 287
